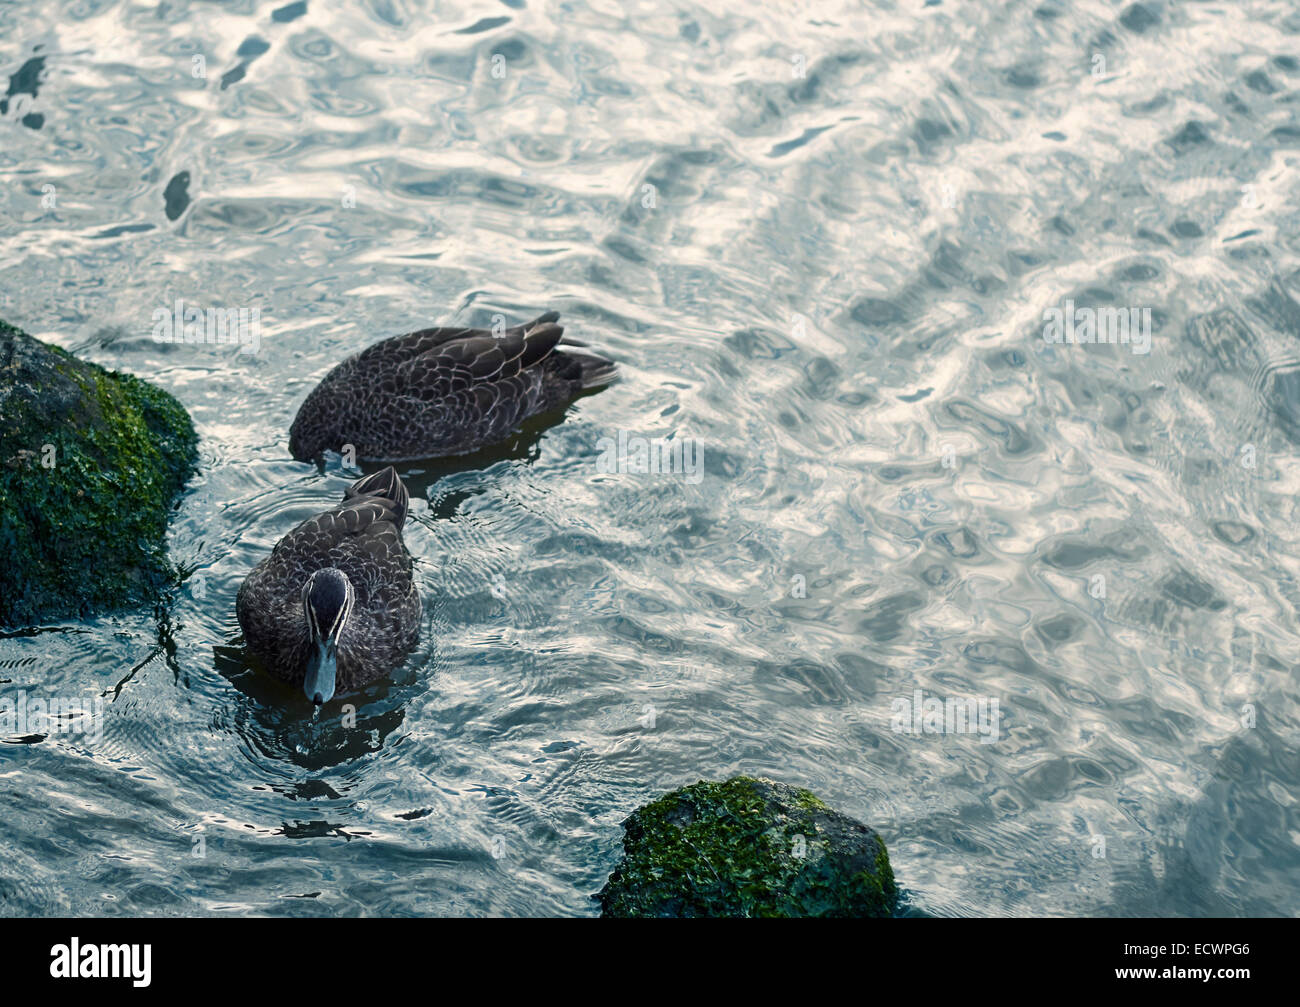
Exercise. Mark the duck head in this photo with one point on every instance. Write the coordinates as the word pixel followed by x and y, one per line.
pixel 327 600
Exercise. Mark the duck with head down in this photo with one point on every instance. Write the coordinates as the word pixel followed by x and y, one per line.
pixel 445 391
pixel 334 606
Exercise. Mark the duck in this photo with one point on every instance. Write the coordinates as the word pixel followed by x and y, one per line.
pixel 334 606
pixel 444 391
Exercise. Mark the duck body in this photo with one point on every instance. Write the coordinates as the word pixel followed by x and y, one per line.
pixel 334 606
pixel 443 391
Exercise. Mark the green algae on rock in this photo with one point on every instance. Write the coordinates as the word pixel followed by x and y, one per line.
pixel 90 464
pixel 748 847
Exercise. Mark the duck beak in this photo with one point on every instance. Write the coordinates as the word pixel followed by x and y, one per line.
pixel 322 667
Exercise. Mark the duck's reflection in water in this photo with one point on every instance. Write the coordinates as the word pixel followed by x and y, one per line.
pixel 276 721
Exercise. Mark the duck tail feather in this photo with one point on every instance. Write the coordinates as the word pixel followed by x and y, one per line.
pixel 595 372
pixel 385 484
pixel 525 328
pixel 539 341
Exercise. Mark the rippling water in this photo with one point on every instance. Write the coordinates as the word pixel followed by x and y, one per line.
pixel 820 242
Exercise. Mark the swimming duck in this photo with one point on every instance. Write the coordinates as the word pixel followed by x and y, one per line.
pixel 443 391
pixel 334 606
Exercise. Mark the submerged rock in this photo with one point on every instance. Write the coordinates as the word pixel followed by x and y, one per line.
pixel 748 847
pixel 90 463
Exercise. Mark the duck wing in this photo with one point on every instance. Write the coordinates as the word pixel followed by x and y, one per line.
pixel 387 355
pixel 365 527
pixel 479 363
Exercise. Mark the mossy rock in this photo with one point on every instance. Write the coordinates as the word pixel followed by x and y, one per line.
pixel 91 462
pixel 748 847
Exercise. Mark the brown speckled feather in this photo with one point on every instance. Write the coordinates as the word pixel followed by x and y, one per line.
pixel 443 391
pixel 362 537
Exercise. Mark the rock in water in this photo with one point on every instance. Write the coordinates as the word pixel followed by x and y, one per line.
pixel 748 847
pixel 90 463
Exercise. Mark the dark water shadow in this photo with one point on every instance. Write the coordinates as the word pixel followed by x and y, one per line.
pixel 1199 840
pixel 278 721
pixel 420 475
